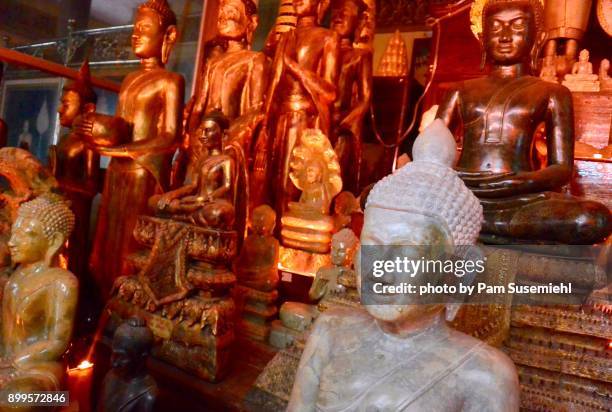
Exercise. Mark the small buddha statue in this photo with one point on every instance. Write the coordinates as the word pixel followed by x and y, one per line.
pixel 140 140
pixel 39 301
pixel 347 212
pixel 396 353
pixel 500 114
pixel 549 70
pixel 128 386
pixel 257 273
pixel 604 76
pixel 206 198
pixel 315 171
pixel 339 277
pixel 582 78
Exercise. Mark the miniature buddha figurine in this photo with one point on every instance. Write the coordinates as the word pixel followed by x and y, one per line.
pixel 206 199
pixel 302 90
pixel 235 81
pixel 257 273
pixel 128 387
pixel 354 90
pixel 549 71
pixel 582 78
pixel 40 298
pixel 315 171
pixel 500 113
pixel 140 139
pixel 76 166
pixel 604 76
pixel 347 213
pixel 338 278
pixel 396 353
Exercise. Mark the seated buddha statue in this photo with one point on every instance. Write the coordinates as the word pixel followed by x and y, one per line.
pixel 396 353
pixel 206 198
pixel 500 114
pixel 582 78
pixel 39 301
pixel 604 76
pixel 315 171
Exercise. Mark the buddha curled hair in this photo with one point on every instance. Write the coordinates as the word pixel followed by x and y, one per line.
pixel 52 212
pixel 166 15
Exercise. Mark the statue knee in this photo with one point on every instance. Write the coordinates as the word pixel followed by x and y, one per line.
pixel 593 224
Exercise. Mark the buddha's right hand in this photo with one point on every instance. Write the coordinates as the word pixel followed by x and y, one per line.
pixel 164 202
pixel 475 178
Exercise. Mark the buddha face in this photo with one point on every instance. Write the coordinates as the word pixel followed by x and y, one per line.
pixel 509 33
pixel 207 136
pixel 305 8
pixel 233 20
pixel 70 107
pixel 344 18
pixel 264 220
pixel 28 243
pixel 125 360
pixel 339 253
pixel 584 56
pixel 148 35
pixel 313 173
pixel 419 236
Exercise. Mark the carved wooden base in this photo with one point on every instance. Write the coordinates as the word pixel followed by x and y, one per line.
pixel 257 310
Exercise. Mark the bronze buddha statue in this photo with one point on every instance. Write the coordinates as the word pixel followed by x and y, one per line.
pixel 39 299
pixel 140 139
pixel 500 114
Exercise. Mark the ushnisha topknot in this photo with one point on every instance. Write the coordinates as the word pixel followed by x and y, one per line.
pixel 52 211
pixel 168 18
pixel 430 187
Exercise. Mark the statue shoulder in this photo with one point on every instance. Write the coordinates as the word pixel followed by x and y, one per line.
pixel 339 320
pixel 63 278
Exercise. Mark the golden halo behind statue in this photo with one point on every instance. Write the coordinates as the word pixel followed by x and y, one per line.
pixel 476 16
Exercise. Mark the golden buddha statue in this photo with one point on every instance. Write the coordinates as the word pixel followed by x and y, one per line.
pixel 316 173
pixel 582 78
pixel 207 197
pixel 500 113
pixel 76 166
pixel 39 301
pixel 140 139
pixel 354 90
pixel 549 70
pixel 302 93
pixel 604 76
pixel 235 80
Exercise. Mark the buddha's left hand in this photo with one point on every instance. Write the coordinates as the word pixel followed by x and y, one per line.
pixel 505 185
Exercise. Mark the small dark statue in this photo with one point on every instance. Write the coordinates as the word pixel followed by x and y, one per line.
pixel 128 387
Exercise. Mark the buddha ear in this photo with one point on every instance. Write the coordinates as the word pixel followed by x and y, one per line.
pixel 169 40
pixel 55 242
pixel 253 22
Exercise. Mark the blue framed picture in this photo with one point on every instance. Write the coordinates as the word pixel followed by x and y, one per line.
pixel 29 108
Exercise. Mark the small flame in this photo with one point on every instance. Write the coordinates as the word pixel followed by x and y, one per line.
pixel 86 364
pixel 598 156
pixel 610 344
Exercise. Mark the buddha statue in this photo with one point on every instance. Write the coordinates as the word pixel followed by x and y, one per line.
pixel 337 279
pixel 354 90
pixel 235 81
pixel 306 224
pixel 139 139
pixel 257 274
pixel 604 76
pixel 499 114
pixel 395 352
pixel 582 78
pixel 207 197
pixel 76 166
pixel 39 300
pixel 128 387
pixel 301 95
pixel 347 213
pixel 549 71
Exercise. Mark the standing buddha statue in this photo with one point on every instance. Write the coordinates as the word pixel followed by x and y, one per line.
pixel 76 166
pixel 354 90
pixel 499 114
pixel 140 139
pixel 39 300
pixel 302 90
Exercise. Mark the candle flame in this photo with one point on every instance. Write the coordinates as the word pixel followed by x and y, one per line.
pixel 86 364
pixel 610 344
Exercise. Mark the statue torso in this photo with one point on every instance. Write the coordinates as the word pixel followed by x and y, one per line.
pixel 500 117
pixel 119 395
pixel 213 173
pixel 351 63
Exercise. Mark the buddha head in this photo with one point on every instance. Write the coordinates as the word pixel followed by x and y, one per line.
pixel 209 135
pixel 512 30
pixel 311 8
pixel 584 56
pixel 343 246
pixel 154 32
pixel 313 172
pixel 263 220
pixel 238 20
pixel 422 212
pixel 42 227
pixel 131 345
pixel 345 17
pixel 78 97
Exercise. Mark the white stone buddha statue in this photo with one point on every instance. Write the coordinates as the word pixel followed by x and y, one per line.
pixel 396 354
